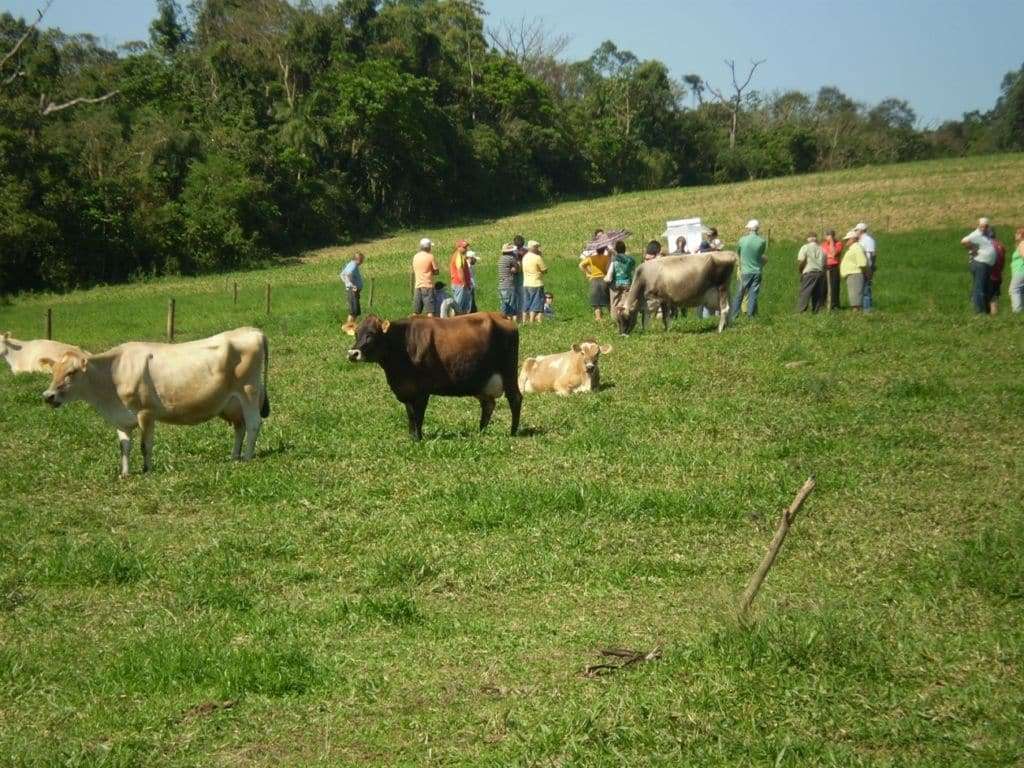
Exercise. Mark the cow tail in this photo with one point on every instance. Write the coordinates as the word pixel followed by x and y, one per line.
pixel 265 405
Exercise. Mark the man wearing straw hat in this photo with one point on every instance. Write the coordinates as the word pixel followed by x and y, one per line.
pixel 752 260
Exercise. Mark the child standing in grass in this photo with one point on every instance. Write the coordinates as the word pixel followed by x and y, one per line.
pixel 620 277
pixel 353 280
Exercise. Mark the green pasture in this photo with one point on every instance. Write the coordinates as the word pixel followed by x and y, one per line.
pixel 353 598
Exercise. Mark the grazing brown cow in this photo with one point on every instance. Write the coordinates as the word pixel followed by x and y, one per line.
pixel 566 372
pixel 466 356
pixel 681 281
pixel 140 383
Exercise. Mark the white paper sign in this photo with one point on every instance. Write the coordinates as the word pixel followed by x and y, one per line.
pixel 691 229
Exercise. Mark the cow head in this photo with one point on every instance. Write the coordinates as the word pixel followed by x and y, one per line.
pixel 369 340
pixel 591 351
pixel 627 319
pixel 68 374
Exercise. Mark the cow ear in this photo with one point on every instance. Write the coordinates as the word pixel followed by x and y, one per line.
pixel 385 326
pixel 83 363
pixel 576 348
pixel 606 349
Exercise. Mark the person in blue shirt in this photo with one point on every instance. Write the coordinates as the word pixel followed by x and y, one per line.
pixel 752 260
pixel 353 280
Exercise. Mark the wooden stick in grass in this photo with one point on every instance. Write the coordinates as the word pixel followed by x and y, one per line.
pixel 773 549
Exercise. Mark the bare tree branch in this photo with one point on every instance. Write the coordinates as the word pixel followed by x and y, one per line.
pixel 527 41
pixel 21 40
pixel 47 107
pixel 734 102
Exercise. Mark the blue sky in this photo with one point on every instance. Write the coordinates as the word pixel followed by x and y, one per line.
pixel 944 56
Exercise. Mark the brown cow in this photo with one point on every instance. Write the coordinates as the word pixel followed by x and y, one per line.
pixel 467 356
pixel 566 372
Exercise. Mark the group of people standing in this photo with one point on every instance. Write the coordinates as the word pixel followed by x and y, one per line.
pixel 987 257
pixel 824 266
pixel 608 269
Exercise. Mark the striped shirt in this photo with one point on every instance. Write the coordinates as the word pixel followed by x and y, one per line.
pixel 507 266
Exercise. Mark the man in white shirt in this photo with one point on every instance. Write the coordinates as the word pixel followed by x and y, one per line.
pixel 867 242
pixel 983 258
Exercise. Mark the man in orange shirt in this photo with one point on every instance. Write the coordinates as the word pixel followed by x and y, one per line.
pixel 424 268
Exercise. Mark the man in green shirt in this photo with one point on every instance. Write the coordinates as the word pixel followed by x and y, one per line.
pixel 752 260
pixel 810 264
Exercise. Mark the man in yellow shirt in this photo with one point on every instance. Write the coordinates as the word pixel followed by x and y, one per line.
pixel 424 268
pixel 854 269
pixel 594 267
pixel 533 282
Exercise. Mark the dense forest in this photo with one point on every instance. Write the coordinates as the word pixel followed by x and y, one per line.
pixel 246 128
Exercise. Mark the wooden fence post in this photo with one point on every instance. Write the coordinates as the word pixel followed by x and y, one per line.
pixel 170 321
pixel 49 323
pixel 236 294
pixel 370 302
pixel 268 298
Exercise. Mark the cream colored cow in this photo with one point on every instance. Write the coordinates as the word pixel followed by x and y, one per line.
pixel 565 373
pixel 140 383
pixel 27 356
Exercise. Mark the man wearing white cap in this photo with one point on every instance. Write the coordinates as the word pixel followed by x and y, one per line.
pixel 424 268
pixel 983 258
pixel 752 260
pixel 867 243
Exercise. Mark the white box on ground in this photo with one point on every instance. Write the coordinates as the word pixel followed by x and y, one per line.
pixel 691 229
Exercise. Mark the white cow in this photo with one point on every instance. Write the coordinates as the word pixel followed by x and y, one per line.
pixel 27 356
pixel 566 372
pixel 141 383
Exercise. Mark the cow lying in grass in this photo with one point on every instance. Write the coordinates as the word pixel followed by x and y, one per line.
pixel 565 373
pixel 465 356
pixel 681 281
pixel 29 356
pixel 140 383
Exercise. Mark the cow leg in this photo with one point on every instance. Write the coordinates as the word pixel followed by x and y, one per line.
pixel 419 407
pixel 147 424
pixel 236 452
pixel 410 412
pixel 666 309
pixel 723 308
pixel 253 422
pixel 486 411
pixel 515 402
pixel 124 439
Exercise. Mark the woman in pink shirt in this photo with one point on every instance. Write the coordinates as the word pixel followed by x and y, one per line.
pixel 833 249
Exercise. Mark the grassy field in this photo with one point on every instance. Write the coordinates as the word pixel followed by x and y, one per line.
pixel 352 598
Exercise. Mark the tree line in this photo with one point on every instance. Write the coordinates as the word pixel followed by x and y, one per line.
pixel 247 128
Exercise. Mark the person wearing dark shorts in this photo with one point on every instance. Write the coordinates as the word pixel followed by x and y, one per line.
pixel 424 269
